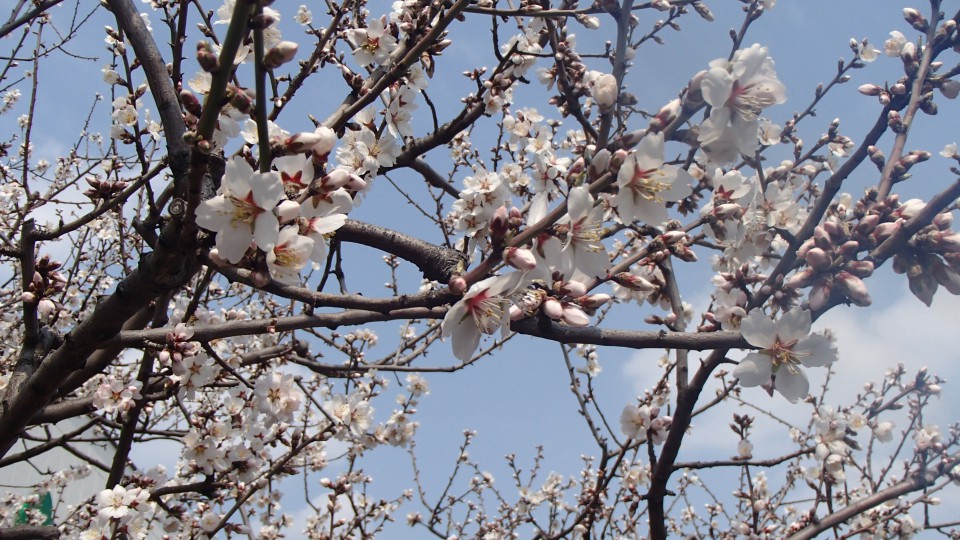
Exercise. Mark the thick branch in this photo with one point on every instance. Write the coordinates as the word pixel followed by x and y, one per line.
pixel 437 263
pixel 29 532
pixel 631 339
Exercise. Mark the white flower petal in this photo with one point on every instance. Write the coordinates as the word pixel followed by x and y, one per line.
pixel 753 370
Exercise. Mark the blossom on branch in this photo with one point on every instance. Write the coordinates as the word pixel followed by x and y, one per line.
pixel 482 310
pixel 243 211
pixel 786 345
pixel 738 90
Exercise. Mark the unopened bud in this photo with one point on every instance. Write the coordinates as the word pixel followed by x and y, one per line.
pixel 520 258
pixel 915 19
pixel 870 89
pixel 633 282
pixel 853 288
pixel 551 308
pixel 593 301
pixel 279 54
pixel 457 285
pixel 301 142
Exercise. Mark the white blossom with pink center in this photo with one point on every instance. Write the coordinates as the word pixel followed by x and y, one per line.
pixel 738 90
pixel 786 346
pixel 482 310
pixel 243 211
pixel 646 184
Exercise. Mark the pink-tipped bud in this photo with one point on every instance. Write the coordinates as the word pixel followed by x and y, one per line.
pixel 822 238
pixel 301 142
pixel 805 247
pixel 457 285
pixel 520 258
pixel 593 301
pixel 632 282
pixel 516 313
pixel 853 288
pixel 599 163
pixel 870 89
pixel 498 225
pixel 915 19
pixel 818 259
pixel 820 294
pixel 946 276
pixel 861 269
pixel 574 316
pixel 551 308
pixel 728 210
pixel 943 221
pixel 802 279
pixel 326 138
pixel 885 230
pixel 573 289
pixel 28 298
pixel 867 224
pixel 279 54
pixel 948 241
pixel 849 248
pixel 672 237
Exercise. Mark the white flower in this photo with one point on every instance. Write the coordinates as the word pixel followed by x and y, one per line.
pixel 893 46
pixel 635 421
pixel 290 254
pixel 296 171
pixel 583 250
pixel 324 214
pixel 646 184
pixel 278 395
pixel 605 90
pixel 883 431
pixel 353 412
pixel 303 16
pixel 738 91
pixel 243 211
pixel 785 346
pixel 482 310
pixel 373 43
pixel 927 437
pixel 950 151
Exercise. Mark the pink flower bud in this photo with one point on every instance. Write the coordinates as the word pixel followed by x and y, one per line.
pixel 520 258
pixel 605 91
pixel 818 259
pixel 574 316
pixel 551 308
pixel 516 313
pixel 600 162
pixel 457 285
pixel 948 241
pixel 943 221
pixel 849 248
pixel 573 289
pixel 672 237
pixel 870 89
pixel 802 279
pixel 822 238
pixel 325 141
pixel 46 308
pixel 867 224
pixel 861 269
pixel 946 276
pixel 632 282
pixel 853 288
pixel 820 294
pixel 28 298
pixel 593 301
pixel 279 54
pixel 885 230
pixel 950 88
pixel 728 210
pixel 301 142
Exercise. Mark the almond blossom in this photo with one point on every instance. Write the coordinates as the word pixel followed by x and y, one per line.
pixel 373 43
pixel 243 211
pixel 322 215
pixel 583 250
pixel 482 310
pixel 290 254
pixel 738 90
pixel 786 345
pixel 646 184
